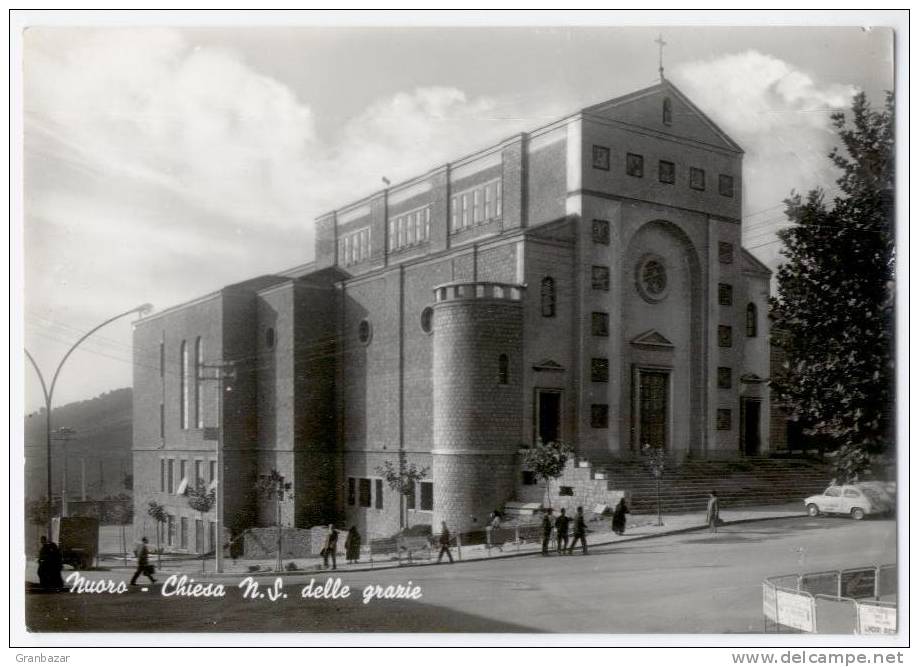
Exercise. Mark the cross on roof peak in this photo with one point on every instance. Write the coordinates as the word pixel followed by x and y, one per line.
pixel 661 44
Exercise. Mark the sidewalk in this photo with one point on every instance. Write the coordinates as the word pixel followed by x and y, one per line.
pixel 639 527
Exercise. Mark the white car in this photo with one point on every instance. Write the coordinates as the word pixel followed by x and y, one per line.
pixel 856 500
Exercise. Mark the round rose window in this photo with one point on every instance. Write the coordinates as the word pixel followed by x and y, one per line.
pixel 651 276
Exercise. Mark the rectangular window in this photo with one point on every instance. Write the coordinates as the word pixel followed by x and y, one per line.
pixel 723 419
pixel 666 172
pixel 601 157
pixel 162 474
pixel 599 369
pixel 183 476
pixel 634 165
pixel 725 336
pixel 170 530
pixel 199 474
pixel 199 536
pixel 378 493
pixel 354 247
pixel 410 496
pixel 162 420
pixel 725 294
pixel 183 532
pixel 211 535
pixel 352 490
pixel 427 223
pixel 696 178
pixel 497 199
pixel 212 471
pixel 183 385
pixel 489 201
pixel 599 415
pixel 364 492
pixel 162 359
pixel 477 213
pixel 725 252
pixel 724 377
pixel 528 478
pixel 427 496
pixel 566 490
pixel 454 210
pixel 392 235
pixel 601 232
pixel 599 278
pixel 599 324
pixel 465 199
pixel 725 185
pixel 170 476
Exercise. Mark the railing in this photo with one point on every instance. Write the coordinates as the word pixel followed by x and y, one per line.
pixel 478 290
pixel 832 602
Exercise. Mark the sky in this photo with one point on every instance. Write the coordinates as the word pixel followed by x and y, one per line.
pixel 160 164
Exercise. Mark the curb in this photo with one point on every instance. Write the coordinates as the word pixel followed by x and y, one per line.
pixel 389 566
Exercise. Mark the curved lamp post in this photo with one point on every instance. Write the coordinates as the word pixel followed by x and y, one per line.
pixel 48 390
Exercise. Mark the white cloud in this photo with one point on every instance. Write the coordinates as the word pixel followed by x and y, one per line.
pixel 780 116
pixel 157 171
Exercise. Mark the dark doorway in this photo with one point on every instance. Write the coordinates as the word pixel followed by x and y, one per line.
pixel 548 415
pixel 652 408
pixel 749 426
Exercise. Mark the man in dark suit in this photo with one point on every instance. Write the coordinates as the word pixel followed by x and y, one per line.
pixel 331 546
pixel 546 531
pixel 561 531
pixel 444 542
pixel 143 563
pixel 580 532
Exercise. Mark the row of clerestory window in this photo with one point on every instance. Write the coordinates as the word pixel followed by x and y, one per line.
pixel 666 171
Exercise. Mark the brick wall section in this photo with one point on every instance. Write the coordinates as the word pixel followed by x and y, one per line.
pixel 581 477
pixel 477 421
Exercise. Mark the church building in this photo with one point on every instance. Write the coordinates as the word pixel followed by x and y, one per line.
pixel 583 282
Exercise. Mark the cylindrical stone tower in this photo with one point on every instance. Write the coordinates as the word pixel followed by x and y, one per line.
pixel 478 400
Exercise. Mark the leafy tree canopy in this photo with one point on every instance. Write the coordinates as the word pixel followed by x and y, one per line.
pixel 833 315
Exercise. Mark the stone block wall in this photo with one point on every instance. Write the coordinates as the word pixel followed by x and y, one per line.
pixel 590 487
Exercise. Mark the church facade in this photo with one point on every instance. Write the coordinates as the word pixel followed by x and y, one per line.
pixel 583 282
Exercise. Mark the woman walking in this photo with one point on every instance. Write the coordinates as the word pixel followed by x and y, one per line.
pixel 619 517
pixel 353 545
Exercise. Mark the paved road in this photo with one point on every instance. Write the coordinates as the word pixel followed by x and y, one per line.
pixel 689 583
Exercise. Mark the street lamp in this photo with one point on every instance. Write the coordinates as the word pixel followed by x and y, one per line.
pixel 48 390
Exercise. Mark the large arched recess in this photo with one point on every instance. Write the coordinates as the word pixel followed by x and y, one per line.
pixel 662 340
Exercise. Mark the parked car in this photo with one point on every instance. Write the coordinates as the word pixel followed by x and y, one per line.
pixel 856 500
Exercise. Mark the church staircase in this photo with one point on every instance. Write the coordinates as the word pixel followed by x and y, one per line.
pixel 741 482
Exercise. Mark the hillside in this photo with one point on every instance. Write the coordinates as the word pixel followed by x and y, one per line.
pixel 98 453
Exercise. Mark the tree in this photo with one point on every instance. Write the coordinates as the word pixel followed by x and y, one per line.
pixel 158 513
pixel 202 500
pixel 402 480
pixel 547 461
pixel 273 486
pixel 834 311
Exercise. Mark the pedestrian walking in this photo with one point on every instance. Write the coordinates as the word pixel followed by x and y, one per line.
pixel 561 531
pixel 546 531
pixel 444 542
pixel 143 563
pixel 331 546
pixel 619 517
pixel 711 515
pixel 353 545
pixel 50 564
pixel 580 532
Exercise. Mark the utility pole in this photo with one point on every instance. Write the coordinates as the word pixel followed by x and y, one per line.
pixel 224 371
pixel 64 435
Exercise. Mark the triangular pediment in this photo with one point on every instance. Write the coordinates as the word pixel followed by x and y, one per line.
pixel 644 108
pixel 752 378
pixel 750 264
pixel 652 338
pixel 548 365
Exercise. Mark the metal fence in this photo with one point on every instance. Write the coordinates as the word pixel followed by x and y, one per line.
pixel 832 602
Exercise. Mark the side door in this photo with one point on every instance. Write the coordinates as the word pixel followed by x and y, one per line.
pixel 832 500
